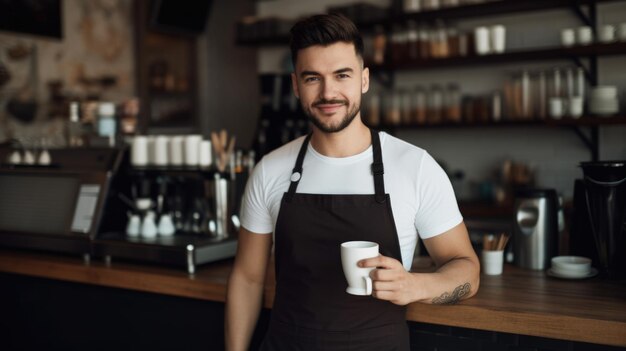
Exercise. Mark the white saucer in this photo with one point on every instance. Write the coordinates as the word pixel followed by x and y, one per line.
pixel 592 273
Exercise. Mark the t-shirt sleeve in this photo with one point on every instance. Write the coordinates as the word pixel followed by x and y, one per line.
pixel 438 210
pixel 255 213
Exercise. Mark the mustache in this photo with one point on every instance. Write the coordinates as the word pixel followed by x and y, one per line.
pixel 330 102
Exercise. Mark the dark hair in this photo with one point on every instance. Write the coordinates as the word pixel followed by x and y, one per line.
pixel 324 30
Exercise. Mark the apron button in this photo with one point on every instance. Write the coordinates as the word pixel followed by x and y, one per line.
pixel 295 176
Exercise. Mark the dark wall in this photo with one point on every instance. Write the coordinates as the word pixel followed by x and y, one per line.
pixel 228 82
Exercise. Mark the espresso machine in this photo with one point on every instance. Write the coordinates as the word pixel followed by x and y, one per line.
pixel 180 216
pixel 599 218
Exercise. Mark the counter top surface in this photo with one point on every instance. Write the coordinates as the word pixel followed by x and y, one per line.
pixel 519 301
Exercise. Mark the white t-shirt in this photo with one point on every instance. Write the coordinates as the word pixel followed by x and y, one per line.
pixel 422 198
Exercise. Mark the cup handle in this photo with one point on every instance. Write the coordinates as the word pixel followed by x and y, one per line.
pixel 368 285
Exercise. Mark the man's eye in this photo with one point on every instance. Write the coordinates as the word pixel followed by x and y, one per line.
pixel 343 76
pixel 310 79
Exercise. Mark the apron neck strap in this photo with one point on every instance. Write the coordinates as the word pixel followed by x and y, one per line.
pixel 377 168
pixel 296 174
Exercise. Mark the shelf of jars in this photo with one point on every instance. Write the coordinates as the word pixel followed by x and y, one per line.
pixel 273 31
pixel 425 11
pixel 405 62
pixel 584 121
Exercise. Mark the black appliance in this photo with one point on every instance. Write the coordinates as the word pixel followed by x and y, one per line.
pixel 189 195
pixel 57 207
pixel 599 218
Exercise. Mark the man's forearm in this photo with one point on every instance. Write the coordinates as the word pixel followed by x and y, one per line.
pixel 243 305
pixel 455 281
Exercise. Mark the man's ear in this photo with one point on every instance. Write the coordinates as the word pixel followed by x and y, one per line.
pixel 365 80
pixel 294 85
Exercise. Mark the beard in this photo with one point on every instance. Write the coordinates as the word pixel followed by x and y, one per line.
pixel 332 128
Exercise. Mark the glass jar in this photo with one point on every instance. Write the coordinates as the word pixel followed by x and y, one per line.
pixel 453 103
pixel 379 44
pixel 413 44
pixel 393 106
pixel 373 109
pixel 435 104
pixel 412 6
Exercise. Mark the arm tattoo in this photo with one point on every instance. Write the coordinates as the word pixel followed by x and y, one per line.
pixel 451 299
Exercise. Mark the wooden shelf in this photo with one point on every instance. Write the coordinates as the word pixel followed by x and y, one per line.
pixel 588 121
pixel 542 54
pixel 485 9
pixel 490 8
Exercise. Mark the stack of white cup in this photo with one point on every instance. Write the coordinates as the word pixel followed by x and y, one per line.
pixel 176 151
pixel 490 40
pixel 603 100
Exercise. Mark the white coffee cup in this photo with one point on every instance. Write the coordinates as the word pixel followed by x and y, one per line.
pixel 585 35
pixel 492 262
pixel 606 33
pixel 576 106
pixel 482 41
pixel 206 157
pixel 192 146
pixel 139 151
pixel 498 38
pixel 359 281
pixel 161 153
pixel 177 150
pixel 568 37
pixel 151 149
pixel 621 31
pixel 556 107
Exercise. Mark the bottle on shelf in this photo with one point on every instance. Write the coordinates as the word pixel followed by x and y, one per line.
pixel 107 123
pixel 74 127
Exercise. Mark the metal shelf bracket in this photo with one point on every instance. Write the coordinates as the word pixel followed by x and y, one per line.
pixel 591 141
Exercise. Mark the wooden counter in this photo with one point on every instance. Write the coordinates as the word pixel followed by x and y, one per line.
pixel 519 301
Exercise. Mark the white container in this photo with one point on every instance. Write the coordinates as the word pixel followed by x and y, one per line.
pixel 166 225
pixel 606 33
pixel 192 146
pixel 621 31
pixel 575 107
pixel 139 151
pixel 482 41
pixel 149 228
pixel 492 262
pixel 556 108
pixel 571 264
pixel 177 152
pixel 498 38
pixel 604 92
pixel 568 37
pixel 161 152
pixel 206 156
pixel 585 35
pixel 133 228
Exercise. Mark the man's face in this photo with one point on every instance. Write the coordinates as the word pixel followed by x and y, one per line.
pixel 329 81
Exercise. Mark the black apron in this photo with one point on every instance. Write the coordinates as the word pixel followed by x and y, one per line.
pixel 312 310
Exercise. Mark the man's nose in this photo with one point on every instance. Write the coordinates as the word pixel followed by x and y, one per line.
pixel 329 90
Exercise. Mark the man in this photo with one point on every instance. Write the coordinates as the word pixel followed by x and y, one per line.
pixel 329 187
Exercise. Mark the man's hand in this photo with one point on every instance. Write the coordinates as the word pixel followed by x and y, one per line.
pixel 390 281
